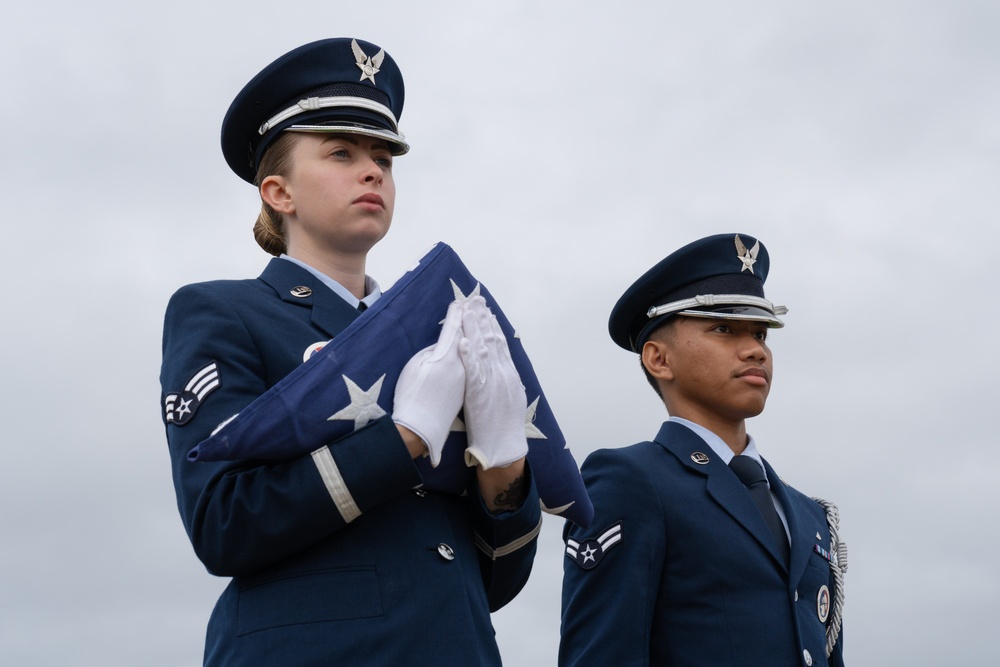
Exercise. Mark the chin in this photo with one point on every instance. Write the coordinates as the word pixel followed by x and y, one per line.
pixel 752 408
pixel 374 232
pixel 364 239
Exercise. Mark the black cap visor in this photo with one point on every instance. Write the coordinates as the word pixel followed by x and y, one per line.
pixel 748 313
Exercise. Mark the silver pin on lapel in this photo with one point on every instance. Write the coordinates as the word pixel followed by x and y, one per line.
pixel 301 292
pixel 700 458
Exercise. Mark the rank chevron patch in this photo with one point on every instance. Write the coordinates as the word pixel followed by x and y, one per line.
pixel 588 554
pixel 181 406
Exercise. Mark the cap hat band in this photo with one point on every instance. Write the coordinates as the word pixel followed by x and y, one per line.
pixel 711 300
pixel 314 103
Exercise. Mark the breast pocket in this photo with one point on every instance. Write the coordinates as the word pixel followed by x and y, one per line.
pixel 815 589
pixel 331 595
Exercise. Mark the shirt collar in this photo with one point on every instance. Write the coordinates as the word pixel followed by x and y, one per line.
pixel 720 448
pixel 372 290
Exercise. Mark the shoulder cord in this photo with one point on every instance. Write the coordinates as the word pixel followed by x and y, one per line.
pixel 839 567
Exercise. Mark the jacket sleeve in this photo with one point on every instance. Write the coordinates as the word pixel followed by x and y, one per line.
pixel 607 608
pixel 244 515
pixel 507 543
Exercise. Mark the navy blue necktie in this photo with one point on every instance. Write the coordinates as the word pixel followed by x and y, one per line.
pixel 752 475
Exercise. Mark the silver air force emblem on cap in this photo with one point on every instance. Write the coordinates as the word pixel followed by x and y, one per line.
pixel 369 65
pixel 748 257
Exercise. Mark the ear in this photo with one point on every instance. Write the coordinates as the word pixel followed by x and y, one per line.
pixel 656 359
pixel 274 191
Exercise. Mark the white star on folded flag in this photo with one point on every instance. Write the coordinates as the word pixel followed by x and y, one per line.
pixel 462 298
pixel 364 405
pixel 459 296
pixel 530 430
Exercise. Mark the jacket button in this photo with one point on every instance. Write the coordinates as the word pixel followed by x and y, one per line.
pixel 796 596
pixel 808 658
pixel 447 552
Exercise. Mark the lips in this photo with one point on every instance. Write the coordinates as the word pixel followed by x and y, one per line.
pixel 371 198
pixel 755 374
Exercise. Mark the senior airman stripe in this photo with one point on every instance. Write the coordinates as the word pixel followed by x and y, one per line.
pixel 180 407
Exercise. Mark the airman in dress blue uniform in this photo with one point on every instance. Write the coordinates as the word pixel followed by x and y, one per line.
pixel 699 555
pixel 338 557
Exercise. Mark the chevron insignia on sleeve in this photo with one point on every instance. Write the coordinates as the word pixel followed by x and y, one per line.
pixel 588 554
pixel 181 406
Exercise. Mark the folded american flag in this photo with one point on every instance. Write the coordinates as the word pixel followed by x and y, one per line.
pixel 352 380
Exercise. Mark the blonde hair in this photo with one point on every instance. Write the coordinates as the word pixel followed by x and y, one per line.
pixel 269 230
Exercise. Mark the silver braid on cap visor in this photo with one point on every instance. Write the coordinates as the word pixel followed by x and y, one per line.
pixel 711 300
pixel 314 103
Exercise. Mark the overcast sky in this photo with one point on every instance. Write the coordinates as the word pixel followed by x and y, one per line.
pixel 561 148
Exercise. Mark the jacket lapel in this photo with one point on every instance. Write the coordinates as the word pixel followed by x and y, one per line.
pixel 330 313
pixel 720 483
pixel 800 527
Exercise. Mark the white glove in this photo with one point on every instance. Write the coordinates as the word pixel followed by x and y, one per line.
pixel 431 385
pixel 495 403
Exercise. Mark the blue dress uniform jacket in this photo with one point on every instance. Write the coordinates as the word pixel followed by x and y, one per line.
pixel 693 578
pixel 335 558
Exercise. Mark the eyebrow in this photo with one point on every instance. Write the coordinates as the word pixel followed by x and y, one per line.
pixel 341 136
pixel 354 140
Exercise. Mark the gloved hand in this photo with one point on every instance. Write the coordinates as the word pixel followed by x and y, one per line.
pixel 495 402
pixel 431 386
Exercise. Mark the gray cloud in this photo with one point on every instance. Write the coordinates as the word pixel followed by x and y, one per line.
pixel 561 149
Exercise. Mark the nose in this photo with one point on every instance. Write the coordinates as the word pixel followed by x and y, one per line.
pixel 753 348
pixel 372 172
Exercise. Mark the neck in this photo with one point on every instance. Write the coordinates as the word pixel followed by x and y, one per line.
pixel 733 433
pixel 348 269
pixel 734 436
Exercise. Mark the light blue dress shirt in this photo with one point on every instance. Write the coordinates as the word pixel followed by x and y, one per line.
pixel 372 290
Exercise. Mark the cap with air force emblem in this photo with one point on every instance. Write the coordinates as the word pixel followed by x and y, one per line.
pixel 719 276
pixel 333 85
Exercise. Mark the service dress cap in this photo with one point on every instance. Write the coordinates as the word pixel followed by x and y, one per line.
pixel 333 85
pixel 720 276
